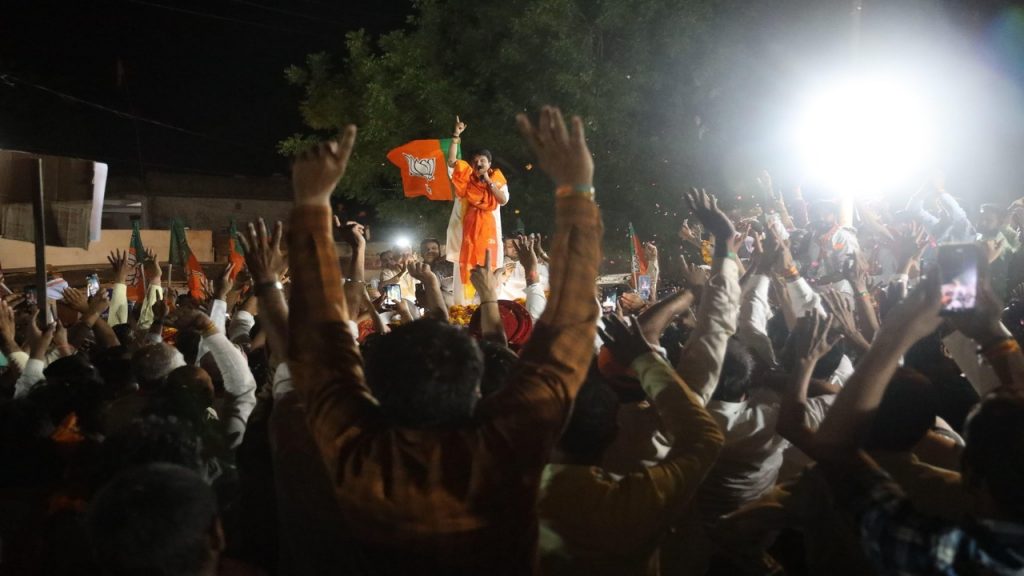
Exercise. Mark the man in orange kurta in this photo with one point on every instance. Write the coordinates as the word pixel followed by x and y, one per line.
pixel 475 224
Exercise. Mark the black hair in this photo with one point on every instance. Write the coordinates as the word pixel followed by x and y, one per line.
pixel 737 366
pixel 482 152
pixel 187 342
pixel 994 454
pixel 429 240
pixel 150 439
pixel 425 374
pixel 498 364
pixel 153 520
pixel 74 385
pixel 906 413
pixel 594 422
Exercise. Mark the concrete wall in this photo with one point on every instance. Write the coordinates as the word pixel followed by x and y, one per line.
pixel 213 213
pixel 21 255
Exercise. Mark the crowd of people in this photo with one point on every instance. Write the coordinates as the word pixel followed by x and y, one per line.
pixel 790 397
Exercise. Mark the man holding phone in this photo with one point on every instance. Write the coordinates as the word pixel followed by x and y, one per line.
pixel 475 224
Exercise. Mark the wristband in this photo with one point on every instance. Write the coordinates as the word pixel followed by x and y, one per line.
pixel 732 255
pixel 1000 348
pixel 264 285
pixel 210 330
pixel 791 273
pixel 482 302
pixel 863 293
pixel 584 190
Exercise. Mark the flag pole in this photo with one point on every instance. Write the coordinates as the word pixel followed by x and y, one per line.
pixel 39 222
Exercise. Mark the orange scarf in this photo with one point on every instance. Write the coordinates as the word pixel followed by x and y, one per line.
pixel 479 230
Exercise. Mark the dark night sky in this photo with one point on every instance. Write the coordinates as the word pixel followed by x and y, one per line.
pixel 214 67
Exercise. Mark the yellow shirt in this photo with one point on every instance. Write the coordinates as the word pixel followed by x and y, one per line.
pixel 593 523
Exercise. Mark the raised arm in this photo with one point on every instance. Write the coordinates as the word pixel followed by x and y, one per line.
pixel 700 364
pixel 154 291
pixel 432 290
pixel 653 498
pixel 535 402
pixel 453 148
pixel 996 345
pixel 322 355
pixel 266 263
pixel 119 295
pixel 850 418
pixel 810 343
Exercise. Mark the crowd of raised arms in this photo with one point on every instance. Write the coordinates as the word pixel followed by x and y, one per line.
pixel 788 400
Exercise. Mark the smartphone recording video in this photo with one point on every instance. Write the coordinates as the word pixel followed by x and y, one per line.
pixel 392 295
pixel 958 273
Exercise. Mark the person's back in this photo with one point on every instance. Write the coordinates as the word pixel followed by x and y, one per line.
pixel 427 481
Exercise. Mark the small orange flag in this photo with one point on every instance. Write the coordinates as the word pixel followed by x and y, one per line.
pixel 424 166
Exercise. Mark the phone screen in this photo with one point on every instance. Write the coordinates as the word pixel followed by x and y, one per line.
pixel 392 294
pixel 93 285
pixel 958 272
pixel 644 286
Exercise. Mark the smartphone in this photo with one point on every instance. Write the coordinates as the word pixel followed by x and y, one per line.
pixel 92 285
pixel 849 264
pixel 958 274
pixel 30 295
pixel 392 295
pixel 608 303
pixel 644 286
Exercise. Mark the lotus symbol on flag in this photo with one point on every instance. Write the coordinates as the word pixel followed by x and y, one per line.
pixel 422 167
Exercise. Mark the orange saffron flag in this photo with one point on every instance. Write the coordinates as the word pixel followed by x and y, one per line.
pixel 424 166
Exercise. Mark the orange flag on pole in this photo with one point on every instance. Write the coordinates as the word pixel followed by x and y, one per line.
pixel 424 166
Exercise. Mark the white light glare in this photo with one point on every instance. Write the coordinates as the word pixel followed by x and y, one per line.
pixel 862 136
pixel 403 242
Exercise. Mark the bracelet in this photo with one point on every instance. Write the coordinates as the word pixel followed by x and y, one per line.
pixel 263 285
pixel 791 273
pixel 456 137
pixel 863 293
pixel 1000 348
pixel 210 330
pixel 565 190
pixel 732 255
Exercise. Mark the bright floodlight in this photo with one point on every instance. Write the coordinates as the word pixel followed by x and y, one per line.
pixel 403 242
pixel 861 136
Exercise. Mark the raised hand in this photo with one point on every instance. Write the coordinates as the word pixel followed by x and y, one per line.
pixel 916 316
pixel 352 233
pixel 119 263
pixel 487 282
pixel 222 283
pixel 60 334
pixel 99 303
pixel 39 340
pixel 460 127
pixel 76 300
pixel 8 325
pixel 316 172
pixel 984 325
pixel 811 339
pixel 858 274
pixel 910 246
pixel 626 342
pixel 688 234
pixel 705 207
pixel 421 271
pixel 151 268
pixel 562 154
pixel 263 255
pixel 694 277
pixel 526 246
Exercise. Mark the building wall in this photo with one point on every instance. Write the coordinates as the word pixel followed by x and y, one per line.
pixel 21 255
pixel 214 213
